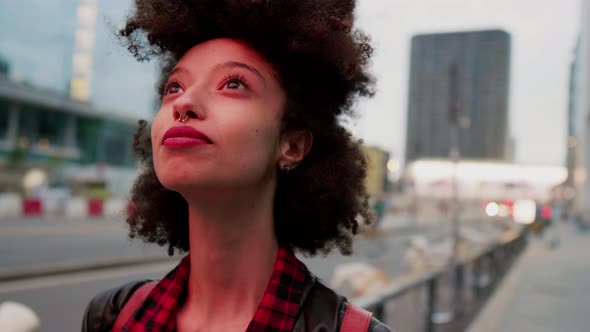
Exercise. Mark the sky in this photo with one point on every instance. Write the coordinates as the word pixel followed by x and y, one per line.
pixel 543 35
pixel 36 38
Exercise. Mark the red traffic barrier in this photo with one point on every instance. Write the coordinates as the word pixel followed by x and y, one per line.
pixel 32 207
pixel 95 207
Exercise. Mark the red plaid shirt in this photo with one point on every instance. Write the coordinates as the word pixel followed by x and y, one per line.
pixel 276 312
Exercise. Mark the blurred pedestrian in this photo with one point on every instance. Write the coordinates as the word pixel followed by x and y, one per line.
pixel 245 163
pixel 379 209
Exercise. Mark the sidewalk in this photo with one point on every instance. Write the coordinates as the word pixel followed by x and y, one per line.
pixel 548 290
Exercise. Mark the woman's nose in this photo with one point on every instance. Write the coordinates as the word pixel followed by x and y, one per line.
pixel 184 108
pixel 184 116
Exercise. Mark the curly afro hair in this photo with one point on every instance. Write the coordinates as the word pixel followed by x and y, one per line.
pixel 321 62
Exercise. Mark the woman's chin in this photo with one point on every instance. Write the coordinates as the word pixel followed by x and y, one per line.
pixel 183 183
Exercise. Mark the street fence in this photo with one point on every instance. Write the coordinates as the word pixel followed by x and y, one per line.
pixel 448 298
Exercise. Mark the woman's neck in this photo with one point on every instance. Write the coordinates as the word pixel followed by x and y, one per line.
pixel 233 249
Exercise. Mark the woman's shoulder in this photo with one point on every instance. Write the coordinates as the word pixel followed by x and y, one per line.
pixel 101 313
pixel 322 306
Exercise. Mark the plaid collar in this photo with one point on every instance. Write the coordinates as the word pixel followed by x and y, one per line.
pixel 276 312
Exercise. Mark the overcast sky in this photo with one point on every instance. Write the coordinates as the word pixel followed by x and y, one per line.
pixel 543 34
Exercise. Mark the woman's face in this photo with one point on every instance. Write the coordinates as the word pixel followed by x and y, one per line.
pixel 227 92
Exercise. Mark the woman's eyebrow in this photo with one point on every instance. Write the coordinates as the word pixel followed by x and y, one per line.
pixel 232 64
pixel 178 70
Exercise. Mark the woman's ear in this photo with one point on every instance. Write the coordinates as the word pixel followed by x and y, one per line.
pixel 294 146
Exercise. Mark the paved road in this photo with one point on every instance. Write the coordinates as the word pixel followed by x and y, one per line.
pixel 26 243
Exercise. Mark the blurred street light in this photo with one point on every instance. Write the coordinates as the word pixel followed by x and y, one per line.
pixel 525 211
pixel 33 179
pixel 492 209
pixel 395 169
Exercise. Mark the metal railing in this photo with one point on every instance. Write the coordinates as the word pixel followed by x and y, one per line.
pixel 448 298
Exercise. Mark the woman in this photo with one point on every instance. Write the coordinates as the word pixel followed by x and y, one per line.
pixel 246 163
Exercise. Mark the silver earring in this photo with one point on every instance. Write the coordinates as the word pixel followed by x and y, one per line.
pixel 287 169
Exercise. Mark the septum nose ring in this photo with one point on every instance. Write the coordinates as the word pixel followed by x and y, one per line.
pixel 183 119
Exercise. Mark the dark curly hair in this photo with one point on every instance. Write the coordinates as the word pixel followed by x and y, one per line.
pixel 321 63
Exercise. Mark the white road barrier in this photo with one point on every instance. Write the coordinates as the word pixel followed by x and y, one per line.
pixel 10 205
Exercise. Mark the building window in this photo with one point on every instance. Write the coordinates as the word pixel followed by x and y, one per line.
pixel 104 140
pixel 52 129
pixel 42 127
pixel 87 131
pixel 115 150
pixel 117 138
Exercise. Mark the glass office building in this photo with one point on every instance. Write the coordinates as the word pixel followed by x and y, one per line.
pixel 40 127
pixel 482 62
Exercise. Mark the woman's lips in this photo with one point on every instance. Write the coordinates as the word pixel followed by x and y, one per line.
pixel 184 136
pixel 180 142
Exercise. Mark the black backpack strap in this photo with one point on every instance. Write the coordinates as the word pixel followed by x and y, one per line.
pixel 323 307
pixel 134 302
pixel 103 309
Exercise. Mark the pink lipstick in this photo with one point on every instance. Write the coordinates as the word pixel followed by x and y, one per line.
pixel 184 136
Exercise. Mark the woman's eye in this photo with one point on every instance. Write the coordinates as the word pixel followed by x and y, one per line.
pixel 233 84
pixel 172 88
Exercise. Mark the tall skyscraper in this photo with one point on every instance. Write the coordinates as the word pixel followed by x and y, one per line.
pixel 83 50
pixel 573 113
pixel 482 74
pixel 580 100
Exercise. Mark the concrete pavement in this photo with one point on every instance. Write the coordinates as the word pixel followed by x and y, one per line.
pixel 547 290
pixel 42 244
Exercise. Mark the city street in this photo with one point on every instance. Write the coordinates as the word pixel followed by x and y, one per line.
pixel 34 243
pixel 460 126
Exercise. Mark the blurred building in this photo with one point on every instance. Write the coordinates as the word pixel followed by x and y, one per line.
pixel 47 130
pixel 580 98
pixel 482 59
pixel 483 180
pixel 377 179
pixel 573 114
pixel 62 73
pixel 84 44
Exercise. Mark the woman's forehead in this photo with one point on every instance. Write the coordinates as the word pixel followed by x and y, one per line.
pixel 223 50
